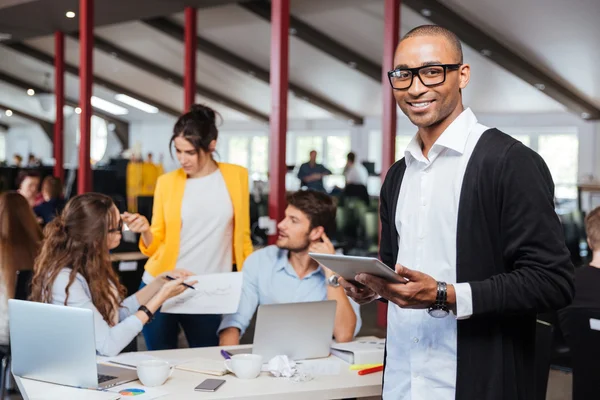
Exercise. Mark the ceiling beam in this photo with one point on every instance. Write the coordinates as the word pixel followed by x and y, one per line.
pixel 505 57
pixel 319 40
pixel 47 126
pixel 123 135
pixel 4 127
pixel 205 46
pixel 73 70
pixel 172 77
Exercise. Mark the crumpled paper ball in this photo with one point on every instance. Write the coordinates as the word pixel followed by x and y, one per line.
pixel 282 366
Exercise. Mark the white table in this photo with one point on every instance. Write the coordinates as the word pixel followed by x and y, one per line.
pixel 348 384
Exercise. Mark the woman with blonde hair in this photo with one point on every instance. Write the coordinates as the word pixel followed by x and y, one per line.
pixel 74 269
pixel 20 238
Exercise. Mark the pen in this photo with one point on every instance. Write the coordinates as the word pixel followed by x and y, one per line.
pixel 370 370
pixel 183 283
pixel 225 355
pixel 356 367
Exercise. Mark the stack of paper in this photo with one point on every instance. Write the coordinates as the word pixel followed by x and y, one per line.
pixel 204 366
pixel 360 351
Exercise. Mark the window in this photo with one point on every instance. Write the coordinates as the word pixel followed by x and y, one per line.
pixel 306 144
pixel 375 149
pixel 249 151
pixel 561 153
pixel 338 148
pixel 402 142
pixel 99 138
pixel 2 146
pixel 238 150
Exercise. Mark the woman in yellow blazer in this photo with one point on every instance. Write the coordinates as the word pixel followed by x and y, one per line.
pixel 200 219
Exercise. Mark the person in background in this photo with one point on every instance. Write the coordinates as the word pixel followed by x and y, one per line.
pixel 285 273
pixel 587 278
pixel 200 221
pixel 20 239
pixel 355 173
pixel 74 269
pixel 28 182
pixel 311 174
pixel 356 179
pixel 18 160
pixel 53 201
pixel 33 161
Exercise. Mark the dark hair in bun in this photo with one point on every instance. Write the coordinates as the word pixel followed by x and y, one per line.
pixel 198 126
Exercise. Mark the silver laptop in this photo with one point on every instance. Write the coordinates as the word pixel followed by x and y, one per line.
pixel 56 344
pixel 298 330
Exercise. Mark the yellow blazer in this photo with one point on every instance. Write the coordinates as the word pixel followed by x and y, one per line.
pixel 166 218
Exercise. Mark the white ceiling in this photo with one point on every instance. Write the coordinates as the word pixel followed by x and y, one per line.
pixel 558 35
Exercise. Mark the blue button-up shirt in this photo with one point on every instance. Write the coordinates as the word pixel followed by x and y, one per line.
pixel 269 278
pixel 306 169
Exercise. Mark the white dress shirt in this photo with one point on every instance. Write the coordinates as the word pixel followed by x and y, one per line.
pixel 421 350
pixel 356 174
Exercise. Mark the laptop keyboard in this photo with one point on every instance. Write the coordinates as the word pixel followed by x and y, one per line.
pixel 105 378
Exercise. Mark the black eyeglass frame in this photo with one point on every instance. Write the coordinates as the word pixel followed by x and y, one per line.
pixel 415 72
pixel 119 227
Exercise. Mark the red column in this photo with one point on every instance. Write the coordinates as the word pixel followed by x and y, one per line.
pixel 189 79
pixel 280 23
pixel 59 90
pixel 86 70
pixel 391 33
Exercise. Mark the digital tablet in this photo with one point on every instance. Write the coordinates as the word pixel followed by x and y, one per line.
pixel 349 266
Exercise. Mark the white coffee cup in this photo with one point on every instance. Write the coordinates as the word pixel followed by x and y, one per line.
pixel 245 366
pixel 154 372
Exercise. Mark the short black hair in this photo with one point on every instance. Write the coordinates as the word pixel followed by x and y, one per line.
pixel 319 207
pixel 27 173
pixel 351 156
pixel 436 30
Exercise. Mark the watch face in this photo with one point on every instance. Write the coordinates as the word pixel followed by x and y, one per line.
pixel 438 312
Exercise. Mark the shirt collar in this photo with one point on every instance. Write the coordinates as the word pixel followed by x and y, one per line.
pixel 283 263
pixel 454 137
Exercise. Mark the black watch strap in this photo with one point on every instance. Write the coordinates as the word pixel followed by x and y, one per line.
pixel 149 313
pixel 441 299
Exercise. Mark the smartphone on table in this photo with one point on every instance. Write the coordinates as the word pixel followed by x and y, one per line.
pixel 209 385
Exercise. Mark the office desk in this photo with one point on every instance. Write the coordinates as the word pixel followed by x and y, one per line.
pixel 348 384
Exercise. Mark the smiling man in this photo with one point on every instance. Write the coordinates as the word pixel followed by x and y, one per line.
pixel 285 273
pixel 467 216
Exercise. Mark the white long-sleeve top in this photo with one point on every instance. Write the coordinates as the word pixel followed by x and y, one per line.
pixel 110 340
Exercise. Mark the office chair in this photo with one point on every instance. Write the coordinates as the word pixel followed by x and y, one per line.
pixel 584 343
pixel 543 352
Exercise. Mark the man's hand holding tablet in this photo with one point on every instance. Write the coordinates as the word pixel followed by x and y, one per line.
pixel 406 288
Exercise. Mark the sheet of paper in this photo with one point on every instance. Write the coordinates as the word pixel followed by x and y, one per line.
pixel 131 360
pixel 138 391
pixel 47 391
pixel 595 324
pixel 320 367
pixel 214 294
pixel 127 266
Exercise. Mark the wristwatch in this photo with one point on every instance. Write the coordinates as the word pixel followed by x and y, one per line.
pixel 333 281
pixel 145 310
pixel 439 309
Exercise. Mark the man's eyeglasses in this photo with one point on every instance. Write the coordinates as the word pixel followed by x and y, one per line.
pixel 119 227
pixel 430 75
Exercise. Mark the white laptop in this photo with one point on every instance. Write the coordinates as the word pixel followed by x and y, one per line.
pixel 56 344
pixel 300 331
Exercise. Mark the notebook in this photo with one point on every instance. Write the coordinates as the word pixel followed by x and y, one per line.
pixel 204 366
pixel 369 350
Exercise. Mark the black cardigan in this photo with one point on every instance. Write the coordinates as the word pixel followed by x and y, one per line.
pixel 511 250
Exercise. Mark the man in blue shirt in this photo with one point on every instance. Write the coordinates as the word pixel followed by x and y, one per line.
pixel 311 174
pixel 285 273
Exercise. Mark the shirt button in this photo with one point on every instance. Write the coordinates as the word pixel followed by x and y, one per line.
pixel 416 340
